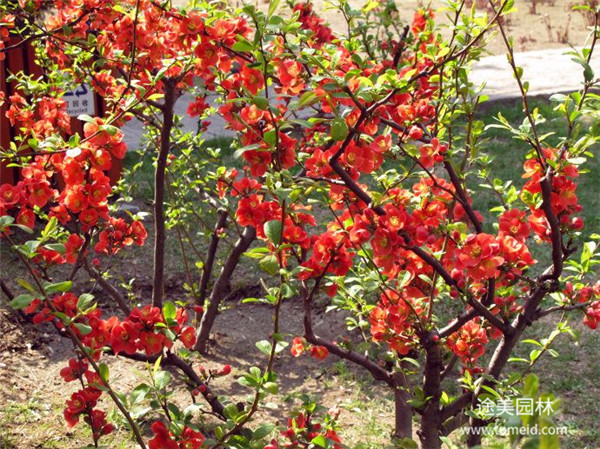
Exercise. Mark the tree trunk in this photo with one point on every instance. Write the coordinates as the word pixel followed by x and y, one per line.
pixel 221 287
pixel 159 194
pixel 403 410
pixel 431 423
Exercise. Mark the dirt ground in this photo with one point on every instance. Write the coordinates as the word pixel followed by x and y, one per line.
pixel 32 393
pixel 552 24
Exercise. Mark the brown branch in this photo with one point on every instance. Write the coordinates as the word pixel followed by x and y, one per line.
pixel 210 257
pixel 107 287
pixel 173 360
pixel 159 194
pixel 376 371
pixel 221 287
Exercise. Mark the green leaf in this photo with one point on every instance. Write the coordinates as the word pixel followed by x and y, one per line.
pixel 162 379
pixel 103 372
pixel 85 301
pixel 271 387
pixel 84 329
pixel 50 226
pixel 270 137
pixel 169 311
pixel 242 46
pixel 320 441
pixel 27 229
pixel 262 431
pixel 58 287
pixel 139 393
pixel 273 231
pixel 5 221
pixel 530 386
pixel 85 118
pixel 231 411
pixel 26 285
pixel 270 264
pixel 339 129
pixel 264 346
pixel 58 247
pixel 21 301
pixel 273 4
pixel 261 102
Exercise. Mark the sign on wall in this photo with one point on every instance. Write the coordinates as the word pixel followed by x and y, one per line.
pixel 80 101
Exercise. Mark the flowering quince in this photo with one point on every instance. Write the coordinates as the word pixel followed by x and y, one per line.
pixel 289 74
pixel 163 439
pixel 322 34
pixel 74 371
pixel 301 430
pixel 513 222
pixel 469 342
pixel 418 233
pixel 592 315
pixel 297 348
pixel 480 256
pixel 394 317
pixel 319 352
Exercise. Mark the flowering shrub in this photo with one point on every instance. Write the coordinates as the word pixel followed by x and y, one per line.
pixel 356 173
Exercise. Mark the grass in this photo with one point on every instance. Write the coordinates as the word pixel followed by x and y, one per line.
pixel 508 155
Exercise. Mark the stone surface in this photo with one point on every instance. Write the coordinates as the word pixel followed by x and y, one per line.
pixel 548 72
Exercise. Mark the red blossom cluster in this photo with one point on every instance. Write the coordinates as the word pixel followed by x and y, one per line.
pixel 588 297
pixel 84 401
pixel 145 329
pixel 164 439
pixel 299 345
pixel 322 34
pixel 469 342
pixel 44 117
pixel 413 232
pixel 301 431
pixel 72 185
pixel 394 318
pixel 563 197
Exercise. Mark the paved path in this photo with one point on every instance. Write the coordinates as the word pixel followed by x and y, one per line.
pixel 548 72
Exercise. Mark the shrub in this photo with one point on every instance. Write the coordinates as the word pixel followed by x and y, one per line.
pixel 358 168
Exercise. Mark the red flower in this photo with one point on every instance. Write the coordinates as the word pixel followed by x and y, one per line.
pixel 75 199
pixel 9 195
pixel 26 217
pixel 88 217
pixel 162 437
pixel 251 114
pixel 288 72
pixel 39 193
pixel 383 242
pixel 297 347
pixel 147 315
pixel 469 341
pixel 319 352
pixel 592 315
pixel 252 79
pixel 188 337
pixel 512 222
pixel 190 439
pixel 197 107
pixel 479 256
pixel 152 343
pixel 74 371
pixel 123 337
